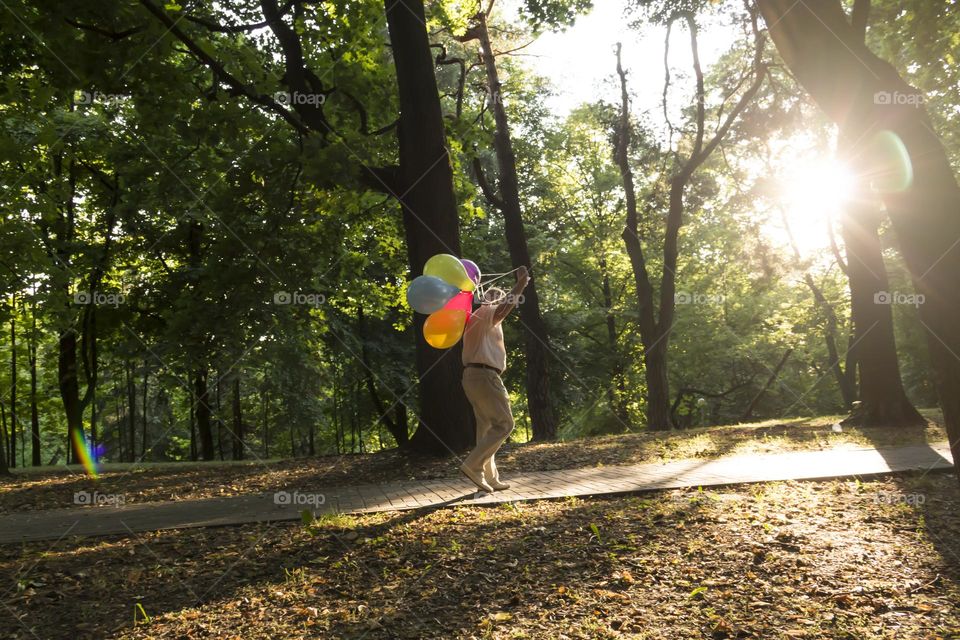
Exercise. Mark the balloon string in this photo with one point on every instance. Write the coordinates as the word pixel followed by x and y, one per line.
pixel 483 286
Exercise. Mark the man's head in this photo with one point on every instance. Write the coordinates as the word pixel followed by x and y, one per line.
pixel 494 295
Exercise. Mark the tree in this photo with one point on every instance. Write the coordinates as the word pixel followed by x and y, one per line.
pixel 851 84
pixel 507 201
pixel 656 317
pixel 425 182
pixel 883 399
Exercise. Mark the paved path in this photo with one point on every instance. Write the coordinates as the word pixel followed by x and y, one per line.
pixel 269 507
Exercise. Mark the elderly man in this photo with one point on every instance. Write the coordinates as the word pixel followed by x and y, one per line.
pixel 484 360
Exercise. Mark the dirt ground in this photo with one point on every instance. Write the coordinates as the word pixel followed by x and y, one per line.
pixel 827 560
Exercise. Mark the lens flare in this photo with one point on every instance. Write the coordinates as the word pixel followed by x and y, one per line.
pixel 890 168
pixel 87 457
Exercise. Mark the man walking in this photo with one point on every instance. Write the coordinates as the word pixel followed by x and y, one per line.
pixel 484 360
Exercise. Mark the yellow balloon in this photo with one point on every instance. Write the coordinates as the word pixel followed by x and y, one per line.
pixel 443 328
pixel 449 269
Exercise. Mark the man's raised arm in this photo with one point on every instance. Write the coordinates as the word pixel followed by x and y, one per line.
pixel 523 278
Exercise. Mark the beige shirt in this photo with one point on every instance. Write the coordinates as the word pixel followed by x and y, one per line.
pixel 483 339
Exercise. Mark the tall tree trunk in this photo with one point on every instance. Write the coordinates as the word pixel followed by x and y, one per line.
pixel 70 392
pixel 34 410
pixel 191 399
pixel 131 413
pixel 237 421
pixel 218 416
pixel 13 380
pixel 4 465
pixel 617 392
pixel 845 79
pixel 118 418
pixel 143 422
pixel 537 342
pixel 202 413
pixel 654 353
pixel 265 404
pixel 424 183
pixel 883 399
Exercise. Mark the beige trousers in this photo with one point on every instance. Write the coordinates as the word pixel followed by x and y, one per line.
pixel 491 406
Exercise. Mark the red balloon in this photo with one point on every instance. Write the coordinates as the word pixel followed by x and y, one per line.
pixel 463 301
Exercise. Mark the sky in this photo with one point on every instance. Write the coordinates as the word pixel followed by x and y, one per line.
pixel 580 62
pixel 581 65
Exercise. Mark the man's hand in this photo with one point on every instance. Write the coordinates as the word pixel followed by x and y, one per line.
pixel 523 279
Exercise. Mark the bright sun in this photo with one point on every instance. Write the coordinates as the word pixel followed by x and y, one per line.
pixel 812 192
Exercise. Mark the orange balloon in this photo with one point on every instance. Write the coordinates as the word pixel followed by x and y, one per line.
pixel 443 328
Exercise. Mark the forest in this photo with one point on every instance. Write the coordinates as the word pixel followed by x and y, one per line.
pixel 211 213
pixel 280 279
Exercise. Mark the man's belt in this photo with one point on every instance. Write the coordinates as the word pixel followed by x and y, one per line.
pixel 480 365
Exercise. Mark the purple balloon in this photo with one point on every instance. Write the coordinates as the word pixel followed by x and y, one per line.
pixel 473 271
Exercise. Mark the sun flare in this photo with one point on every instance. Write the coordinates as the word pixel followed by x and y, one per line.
pixel 811 193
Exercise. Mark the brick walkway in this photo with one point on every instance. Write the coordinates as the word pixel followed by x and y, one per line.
pixel 151 516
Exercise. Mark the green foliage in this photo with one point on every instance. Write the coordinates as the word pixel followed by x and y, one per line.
pixel 220 239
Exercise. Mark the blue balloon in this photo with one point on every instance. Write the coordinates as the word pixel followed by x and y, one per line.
pixel 427 294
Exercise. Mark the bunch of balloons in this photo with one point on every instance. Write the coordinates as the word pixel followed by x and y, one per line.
pixel 444 293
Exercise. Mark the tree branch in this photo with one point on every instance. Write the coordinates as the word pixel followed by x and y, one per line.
pixel 485 187
pixel 214 65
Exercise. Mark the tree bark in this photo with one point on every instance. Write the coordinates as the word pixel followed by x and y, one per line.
pixel 143 422
pixel 13 380
pixel 131 413
pixel 218 415
pixel 617 392
pixel 191 399
pixel 431 224
pixel 34 410
pixel 4 465
pixel 202 413
pixel 844 78
pixel 265 405
pixel 654 354
pixel 70 392
pixel 237 421
pixel 537 341
pixel 883 399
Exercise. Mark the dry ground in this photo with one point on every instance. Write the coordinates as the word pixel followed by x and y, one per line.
pixel 827 560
